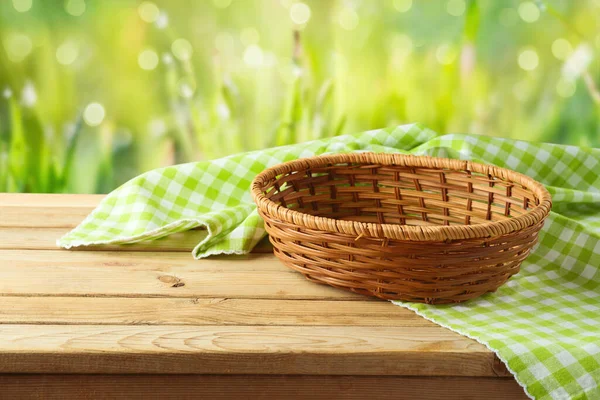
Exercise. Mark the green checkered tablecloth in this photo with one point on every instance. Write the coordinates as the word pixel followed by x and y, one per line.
pixel 544 323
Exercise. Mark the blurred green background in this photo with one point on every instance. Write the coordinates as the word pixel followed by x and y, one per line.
pixel 95 92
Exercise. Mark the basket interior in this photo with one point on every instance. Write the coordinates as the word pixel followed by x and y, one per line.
pixel 389 194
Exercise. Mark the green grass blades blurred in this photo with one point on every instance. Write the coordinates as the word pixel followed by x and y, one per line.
pixel 95 92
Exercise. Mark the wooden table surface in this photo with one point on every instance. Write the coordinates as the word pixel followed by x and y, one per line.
pixel 149 320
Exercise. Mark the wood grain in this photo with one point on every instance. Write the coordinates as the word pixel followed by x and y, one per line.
pixel 27 238
pixel 325 350
pixel 139 261
pixel 49 200
pixel 183 387
pixel 151 308
pixel 36 221
pixel 45 210
pixel 194 311
pixel 68 273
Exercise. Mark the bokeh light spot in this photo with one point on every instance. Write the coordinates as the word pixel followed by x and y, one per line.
pixel 67 53
pixel 182 49
pixel 157 127
pixel 445 54
pixel 75 8
pixel 148 12
pixel 456 7
pixel 29 95
pixel 348 18
pixel 300 13
pixel 578 61
pixel 561 48
pixel 565 87
pixel 402 5
pixel 93 115
pixel 253 56
pixel 162 21
pixel 223 111
pixel 528 60
pixel 18 46
pixel 167 59
pixel 187 87
pixel 249 36
pixel 186 91
pixel 22 5
pixel 148 59
pixel 222 3
pixel 529 12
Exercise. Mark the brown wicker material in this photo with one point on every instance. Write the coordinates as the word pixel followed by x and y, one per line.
pixel 401 227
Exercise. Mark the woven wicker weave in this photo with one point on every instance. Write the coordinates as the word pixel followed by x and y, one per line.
pixel 401 227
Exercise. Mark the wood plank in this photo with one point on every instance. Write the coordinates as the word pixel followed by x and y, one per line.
pixel 182 387
pixel 45 210
pixel 45 239
pixel 295 350
pixel 133 260
pixel 176 311
pixel 131 274
pixel 43 200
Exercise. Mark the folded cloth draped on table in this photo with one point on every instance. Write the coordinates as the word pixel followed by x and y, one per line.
pixel 544 323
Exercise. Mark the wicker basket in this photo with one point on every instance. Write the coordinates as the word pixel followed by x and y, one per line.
pixel 401 227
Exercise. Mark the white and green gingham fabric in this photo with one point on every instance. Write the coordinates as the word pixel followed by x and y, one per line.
pixel 544 323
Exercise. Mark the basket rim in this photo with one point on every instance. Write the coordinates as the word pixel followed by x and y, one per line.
pixel 395 231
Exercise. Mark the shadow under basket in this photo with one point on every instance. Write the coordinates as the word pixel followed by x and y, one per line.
pixel 400 227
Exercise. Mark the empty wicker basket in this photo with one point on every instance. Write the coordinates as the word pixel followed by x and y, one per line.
pixel 401 227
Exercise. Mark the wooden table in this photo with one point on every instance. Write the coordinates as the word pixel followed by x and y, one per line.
pixel 149 320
